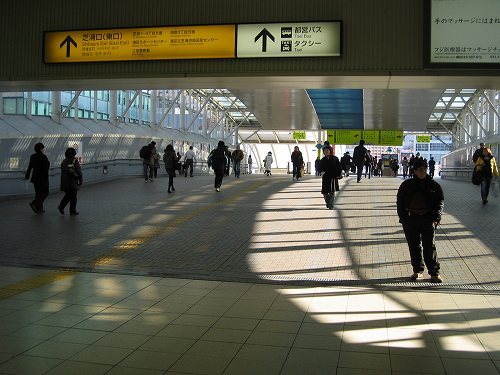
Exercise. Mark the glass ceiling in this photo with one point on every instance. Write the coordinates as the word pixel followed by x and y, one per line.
pixel 234 108
pixel 449 107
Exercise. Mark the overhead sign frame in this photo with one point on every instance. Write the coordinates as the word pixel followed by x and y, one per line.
pixel 465 59
pixel 181 42
pixel 289 39
pixel 140 44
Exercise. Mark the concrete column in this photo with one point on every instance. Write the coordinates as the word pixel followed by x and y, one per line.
pixel 94 115
pixel 55 114
pixel 29 104
pixel 113 107
pixel 1 105
pixel 153 117
pixel 182 108
pixel 75 115
pixel 140 108
pixel 204 122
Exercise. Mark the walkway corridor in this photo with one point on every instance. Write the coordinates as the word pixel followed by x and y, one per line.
pixel 260 278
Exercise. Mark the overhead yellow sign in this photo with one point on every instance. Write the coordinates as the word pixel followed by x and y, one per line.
pixel 423 138
pixel 299 134
pixel 152 43
pixel 347 137
pixel 391 137
pixel 371 137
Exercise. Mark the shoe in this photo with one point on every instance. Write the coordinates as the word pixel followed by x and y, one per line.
pixel 151 179
pixel 173 189
pixel 145 181
pixel 185 175
pixel 169 191
pixel 74 213
pixel 416 276
pixel 436 279
pixel 330 207
pixel 217 189
pixel 33 207
pixel 485 201
pixel 61 210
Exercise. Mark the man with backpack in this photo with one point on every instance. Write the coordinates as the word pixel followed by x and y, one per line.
pixel 218 161
pixel 147 153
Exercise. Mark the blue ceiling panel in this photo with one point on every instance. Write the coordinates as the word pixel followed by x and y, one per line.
pixel 338 109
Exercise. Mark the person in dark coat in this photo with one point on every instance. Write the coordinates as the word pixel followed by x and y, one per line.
pixel 71 179
pixel 420 205
pixel 218 160
pixel 331 172
pixel 297 161
pixel 170 159
pixel 358 158
pixel 39 164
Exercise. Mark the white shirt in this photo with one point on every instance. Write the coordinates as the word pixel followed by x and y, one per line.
pixel 189 154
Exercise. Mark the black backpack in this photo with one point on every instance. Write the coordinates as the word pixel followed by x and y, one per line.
pixel 145 152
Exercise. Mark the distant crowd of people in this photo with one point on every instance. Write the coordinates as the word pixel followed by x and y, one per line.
pixel 419 199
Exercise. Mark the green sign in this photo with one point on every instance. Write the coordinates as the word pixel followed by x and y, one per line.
pixel 423 138
pixel 299 135
pixel 391 138
pixel 371 137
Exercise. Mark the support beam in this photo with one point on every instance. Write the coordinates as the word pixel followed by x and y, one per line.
pixel 71 103
pixel 174 102
pixel 130 102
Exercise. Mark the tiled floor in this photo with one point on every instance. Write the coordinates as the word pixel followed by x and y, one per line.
pixel 258 279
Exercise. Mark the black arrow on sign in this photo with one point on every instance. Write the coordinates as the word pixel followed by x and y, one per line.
pixel 264 34
pixel 68 41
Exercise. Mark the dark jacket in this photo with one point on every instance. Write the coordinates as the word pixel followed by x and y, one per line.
pixel 428 188
pixel 170 160
pixel 297 158
pixel 359 155
pixel 39 164
pixel 218 158
pixel 71 174
pixel 333 170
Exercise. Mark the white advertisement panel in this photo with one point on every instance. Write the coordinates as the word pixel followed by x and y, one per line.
pixel 298 39
pixel 465 31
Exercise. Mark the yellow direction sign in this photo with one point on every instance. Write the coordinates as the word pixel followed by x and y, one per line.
pixel 151 43
pixel 347 137
pixel 330 135
pixel 299 135
pixel 423 138
pixel 371 137
pixel 391 137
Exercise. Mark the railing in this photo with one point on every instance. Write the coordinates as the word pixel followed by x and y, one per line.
pixel 457 173
pixel 12 183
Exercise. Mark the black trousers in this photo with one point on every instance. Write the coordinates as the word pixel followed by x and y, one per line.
pixel 219 174
pixel 419 233
pixel 189 163
pixel 359 171
pixel 296 170
pixel 69 197
pixel 41 193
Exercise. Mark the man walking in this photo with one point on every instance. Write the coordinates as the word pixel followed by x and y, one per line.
pixel 420 205
pixel 297 162
pixel 250 161
pixel 39 164
pixel 358 158
pixel 237 157
pixel 189 162
pixel 147 154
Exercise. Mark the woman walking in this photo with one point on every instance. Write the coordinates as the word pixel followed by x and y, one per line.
pixel 170 160
pixel 71 178
pixel 487 166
